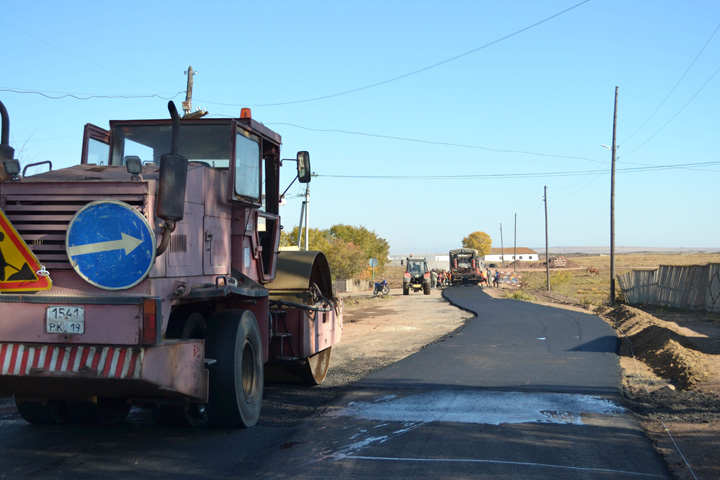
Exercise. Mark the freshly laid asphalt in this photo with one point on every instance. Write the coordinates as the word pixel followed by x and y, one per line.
pixel 522 391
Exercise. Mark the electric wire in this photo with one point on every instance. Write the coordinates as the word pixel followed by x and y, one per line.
pixel 76 56
pixel 678 113
pixel 409 74
pixel 517 175
pixel 87 96
pixel 676 85
pixel 430 142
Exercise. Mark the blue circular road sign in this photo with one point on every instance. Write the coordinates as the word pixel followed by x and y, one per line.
pixel 110 244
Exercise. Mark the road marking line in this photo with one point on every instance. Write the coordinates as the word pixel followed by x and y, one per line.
pixel 500 462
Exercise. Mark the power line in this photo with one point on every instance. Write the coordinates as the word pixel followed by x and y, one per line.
pixel 518 175
pixel 676 84
pixel 86 96
pixel 676 114
pixel 430 142
pixel 75 55
pixel 406 75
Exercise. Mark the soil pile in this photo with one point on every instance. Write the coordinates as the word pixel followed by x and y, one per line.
pixel 665 349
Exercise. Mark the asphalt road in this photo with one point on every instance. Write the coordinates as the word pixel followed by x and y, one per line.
pixel 522 391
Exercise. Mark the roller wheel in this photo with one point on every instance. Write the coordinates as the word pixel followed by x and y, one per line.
pixel 43 413
pixel 316 367
pixel 106 411
pixel 236 379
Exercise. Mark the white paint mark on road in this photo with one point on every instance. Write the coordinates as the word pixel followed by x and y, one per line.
pixel 484 407
pixel 624 473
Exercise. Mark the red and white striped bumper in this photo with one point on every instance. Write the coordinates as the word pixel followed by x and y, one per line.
pixel 174 370
pixel 98 362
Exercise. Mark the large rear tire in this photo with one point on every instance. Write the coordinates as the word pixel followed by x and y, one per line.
pixel 105 411
pixel 52 412
pixel 236 379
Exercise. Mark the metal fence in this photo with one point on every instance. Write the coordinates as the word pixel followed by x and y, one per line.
pixel 692 287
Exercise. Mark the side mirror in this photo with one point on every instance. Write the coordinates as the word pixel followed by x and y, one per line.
pixel 173 176
pixel 171 189
pixel 303 167
pixel 9 167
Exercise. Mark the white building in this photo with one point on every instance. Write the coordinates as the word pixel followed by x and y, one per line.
pixel 508 255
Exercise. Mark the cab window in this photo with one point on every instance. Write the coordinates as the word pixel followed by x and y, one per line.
pixel 247 166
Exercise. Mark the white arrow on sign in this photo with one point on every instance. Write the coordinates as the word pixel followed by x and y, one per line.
pixel 127 243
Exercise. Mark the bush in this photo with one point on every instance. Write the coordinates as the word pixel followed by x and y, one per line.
pixel 520 295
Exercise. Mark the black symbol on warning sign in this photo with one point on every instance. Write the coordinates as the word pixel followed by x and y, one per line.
pixel 21 273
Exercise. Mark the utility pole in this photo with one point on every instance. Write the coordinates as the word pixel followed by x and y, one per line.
pixel 547 254
pixel 307 217
pixel 187 104
pixel 612 206
pixel 304 213
pixel 502 247
pixel 515 247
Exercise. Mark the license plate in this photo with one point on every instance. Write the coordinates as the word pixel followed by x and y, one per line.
pixel 65 319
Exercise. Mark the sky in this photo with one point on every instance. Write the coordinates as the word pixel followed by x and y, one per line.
pixel 425 121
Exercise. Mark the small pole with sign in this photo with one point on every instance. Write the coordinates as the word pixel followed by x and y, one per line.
pixel 373 263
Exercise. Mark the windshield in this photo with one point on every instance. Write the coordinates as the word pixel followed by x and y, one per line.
pixel 209 144
pixel 415 267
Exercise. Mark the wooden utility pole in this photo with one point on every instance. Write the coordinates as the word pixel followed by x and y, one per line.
pixel 515 259
pixel 187 104
pixel 547 254
pixel 502 247
pixel 612 206
pixel 304 214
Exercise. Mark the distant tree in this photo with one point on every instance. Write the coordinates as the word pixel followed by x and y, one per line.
pixel 369 243
pixel 347 249
pixel 479 241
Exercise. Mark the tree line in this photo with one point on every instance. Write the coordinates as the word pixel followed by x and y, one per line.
pixel 347 248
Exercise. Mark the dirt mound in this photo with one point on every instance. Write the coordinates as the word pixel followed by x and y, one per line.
pixel 667 351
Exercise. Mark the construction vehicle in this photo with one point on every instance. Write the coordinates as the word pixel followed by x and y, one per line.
pixel 154 279
pixel 465 266
pixel 416 276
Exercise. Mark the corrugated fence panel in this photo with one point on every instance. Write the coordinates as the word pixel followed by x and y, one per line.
pixel 689 287
pixel 639 286
pixel 712 296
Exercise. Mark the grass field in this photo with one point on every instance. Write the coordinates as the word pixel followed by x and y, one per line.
pixel 586 289
pixel 579 285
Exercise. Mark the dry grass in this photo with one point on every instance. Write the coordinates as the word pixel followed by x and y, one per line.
pixel 644 260
pixel 586 289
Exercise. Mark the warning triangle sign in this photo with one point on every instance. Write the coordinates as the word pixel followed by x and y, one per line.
pixel 18 266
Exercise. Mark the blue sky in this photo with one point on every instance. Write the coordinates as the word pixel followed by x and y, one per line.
pixel 425 121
